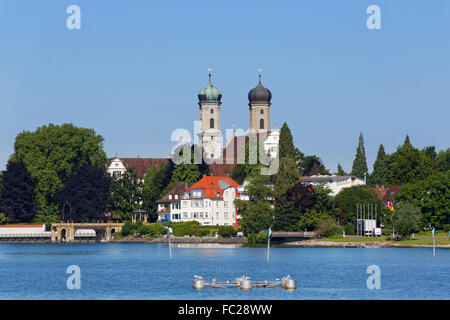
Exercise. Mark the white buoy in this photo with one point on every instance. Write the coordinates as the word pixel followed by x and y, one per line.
pixel 246 284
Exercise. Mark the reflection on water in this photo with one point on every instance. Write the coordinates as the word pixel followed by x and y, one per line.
pixel 144 271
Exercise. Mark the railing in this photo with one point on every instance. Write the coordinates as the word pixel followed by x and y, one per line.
pixel 25 235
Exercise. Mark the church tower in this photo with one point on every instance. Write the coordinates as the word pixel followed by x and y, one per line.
pixel 211 138
pixel 259 106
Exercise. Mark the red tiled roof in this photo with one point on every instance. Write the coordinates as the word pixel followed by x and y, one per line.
pixel 387 194
pixel 141 165
pixel 210 185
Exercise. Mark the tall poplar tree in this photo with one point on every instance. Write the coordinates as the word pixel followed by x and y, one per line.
pixel 360 168
pixel 380 171
pixel 286 143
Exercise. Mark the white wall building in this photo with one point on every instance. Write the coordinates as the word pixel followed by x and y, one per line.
pixel 210 201
pixel 335 183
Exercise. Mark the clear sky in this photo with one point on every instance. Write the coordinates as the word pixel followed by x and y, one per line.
pixel 134 69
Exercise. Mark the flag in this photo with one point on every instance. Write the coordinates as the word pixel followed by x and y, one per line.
pixel 169 230
pixel 434 232
pixel 269 233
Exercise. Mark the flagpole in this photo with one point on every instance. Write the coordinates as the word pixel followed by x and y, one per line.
pixel 268 247
pixel 170 246
pixel 434 242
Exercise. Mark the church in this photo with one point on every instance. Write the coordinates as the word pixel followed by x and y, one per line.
pixel 223 159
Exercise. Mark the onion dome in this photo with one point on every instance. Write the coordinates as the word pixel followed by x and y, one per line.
pixel 209 93
pixel 259 94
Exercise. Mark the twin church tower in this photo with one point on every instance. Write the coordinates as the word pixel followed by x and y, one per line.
pixel 210 106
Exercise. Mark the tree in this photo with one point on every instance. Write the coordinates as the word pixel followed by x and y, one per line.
pixel 257 214
pixel 442 161
pixel 155 182
pixel 285 215
pixel 324 201
pixel 348 198
pixel 51 154
pixel 380 171
pixel 251 167
pixel 340 171
pixel 406 219
pixel 286 143
pixel 189 172
pixel 408 164
pixel 125 195
pixel 286 176
pixel 432 196
pixel 359 168
pixel 86 193
pixel 17 201
pixel 292 205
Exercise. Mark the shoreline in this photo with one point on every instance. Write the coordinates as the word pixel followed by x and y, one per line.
pixel 236 242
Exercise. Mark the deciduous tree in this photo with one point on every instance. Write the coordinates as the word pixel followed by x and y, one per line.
pixel 51 154
pixel 86 194
pixel 17 197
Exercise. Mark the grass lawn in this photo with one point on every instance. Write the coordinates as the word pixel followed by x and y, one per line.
pixel 421 238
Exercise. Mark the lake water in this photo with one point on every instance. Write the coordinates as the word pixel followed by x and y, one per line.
pixel 144 271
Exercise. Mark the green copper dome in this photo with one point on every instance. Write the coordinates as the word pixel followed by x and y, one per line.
pixel 209 93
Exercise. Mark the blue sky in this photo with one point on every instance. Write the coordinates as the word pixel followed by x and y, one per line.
pixel 134 69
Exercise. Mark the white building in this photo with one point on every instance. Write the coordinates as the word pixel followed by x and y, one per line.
pixel 117 166
pixel 335 183
pixel 210 201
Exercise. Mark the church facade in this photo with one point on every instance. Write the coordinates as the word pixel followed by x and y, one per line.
pixel 222 158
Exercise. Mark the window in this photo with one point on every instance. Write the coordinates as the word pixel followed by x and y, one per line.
pixel 185 214
pixel 211 123
pixel 225 215
pixel 206 214
pixel 176 196
pixel 116 174
pixel 212 111
pixel 201 214
pixel 262 111
pixel 170 197
pixel 195 215
pixel 261 124
pixel 225 204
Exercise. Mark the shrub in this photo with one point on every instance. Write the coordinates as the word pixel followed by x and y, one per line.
pixel 227 232
pixel 446 227
pixel 181 229
pixel 328 227
pixel 261 238
pixel 349 229
pixel 202 233
pixel 128 228
pixel 258 238
pixel 118 235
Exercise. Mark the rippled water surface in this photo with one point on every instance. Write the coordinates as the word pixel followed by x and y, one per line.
pixel 144 271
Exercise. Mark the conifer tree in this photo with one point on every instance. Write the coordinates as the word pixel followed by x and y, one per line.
pixel 359 168
pixel 380 171
pixel 340 172
pixel 286 143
